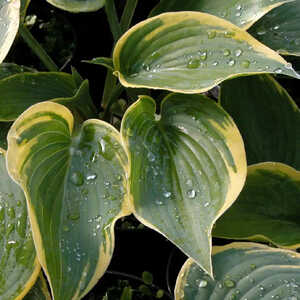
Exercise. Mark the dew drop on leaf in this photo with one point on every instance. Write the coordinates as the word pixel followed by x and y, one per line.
pixel 151 156
pixel 77 178
pixel 74 216
pixel 245 64
pixel 203 284
pixel 231 62
pixel 193 63
pixel 226 52
pixel 91 177
pixel 229 283
pixel 167 194
pixel 238 52
pixel 211 34
pixel 191 193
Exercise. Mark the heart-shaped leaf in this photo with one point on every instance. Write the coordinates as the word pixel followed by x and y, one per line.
pixel 75 184
pixel 187 167
pixel 243 271
pixel 267 208
pixel 10 18
pixel 280 29
pixel 39 291
pixel 267 117
pixel 19 267
pixel 22 90
pixel 241 13
pixel 190 52
pixel 77 6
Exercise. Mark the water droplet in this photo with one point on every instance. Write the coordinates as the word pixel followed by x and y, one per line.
pixel 146 67
pixel 193 63
pixel 226 52
pixel 66 228
pixel 74 216
pixel 203 55
pixel 231 62
pixel 159 202
pixel 252 266
pixel 151 156
pixel 211 34
pixel 206 204
pixel 220 285
pixel 245 64
pixel 229 34
pixel 229 283
pixel 238 14
pixel 203 284
pixel 91 176
pixel 77 178
pixel 261 32
pixel 191 193
pixel 11 213
pixel 69 269
pixel 239 7
pixel 215 63
pixel 133 75
pixel 276 27
pixel 261 288
pixel 288 66
pixel 167 194
pixel 189 182
pixel 238 52
pixel 278 71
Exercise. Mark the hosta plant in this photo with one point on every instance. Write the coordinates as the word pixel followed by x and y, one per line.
pixel 194 136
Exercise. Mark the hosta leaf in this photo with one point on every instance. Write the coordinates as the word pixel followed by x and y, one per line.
pixel 241 13
pixel 267 208
pixel 75 186
pixel 10 18
pixel 22 90
pixel 187 167
pixel 19 267
pixel 280 29
pixel 23 9
pixel 190 52
pixel 266 116
pixel 243 271
pixel 9 69
pixel 76 6
pixel 39 291
pixel 102 61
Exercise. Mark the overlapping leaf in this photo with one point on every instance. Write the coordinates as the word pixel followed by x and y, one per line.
pixel 280 29
pixel 190 52
pixel 267 209
pixel 267 117
pixel 39 290
pixel 77 6
pixel 9 69
pixel 187 167
pixel 19 267
pixel 22 90
pixel 10 18
pixel 243 271
pixel 241 13
pixel 75 187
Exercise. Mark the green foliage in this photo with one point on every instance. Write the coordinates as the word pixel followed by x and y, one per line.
pixel 178 161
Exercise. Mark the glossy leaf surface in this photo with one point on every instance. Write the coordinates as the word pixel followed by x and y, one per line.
pixel 19 267
pixel 280 29
pixel 187 167
pixel 22 90
pixel 39 291
pixel 267 209
pixel 77 6
pixel 74 184
pixel 190 52
pixel 9 69
pixel 10 18
pixel 267 117
pixel 102 61
pixel 243 271
pixel 241 13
